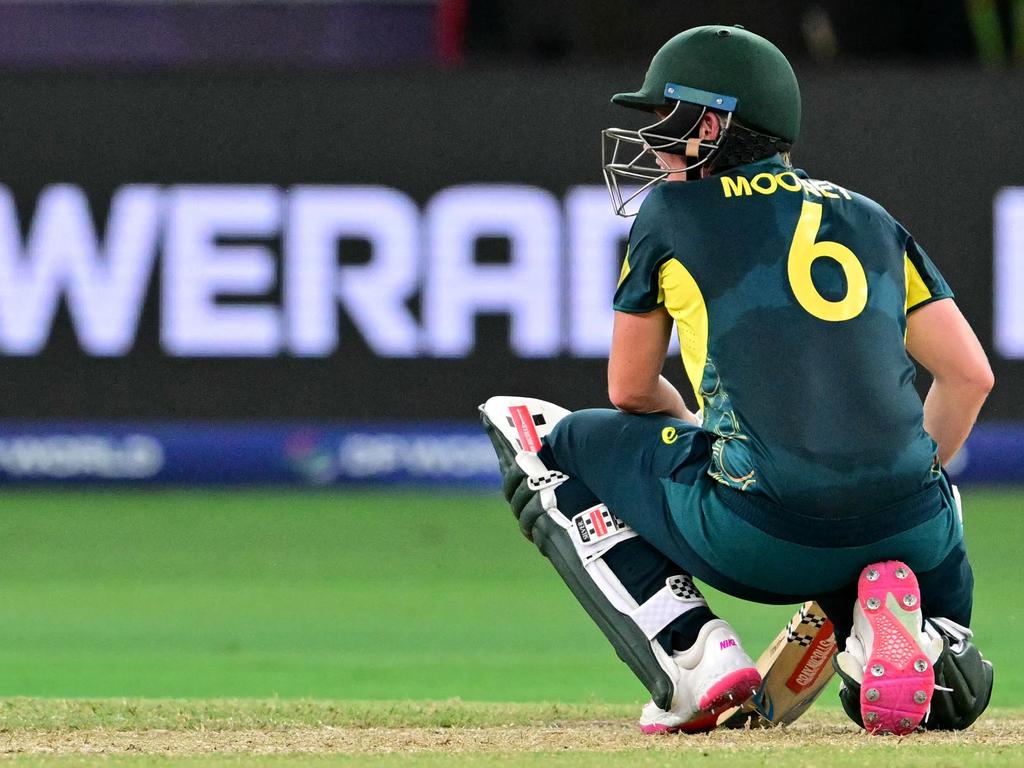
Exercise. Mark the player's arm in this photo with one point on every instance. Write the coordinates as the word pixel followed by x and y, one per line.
pixel 635 383
pixel 941 340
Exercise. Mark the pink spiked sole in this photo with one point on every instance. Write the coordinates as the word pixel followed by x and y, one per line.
pixel 898 681
pixel 733 689
pixel 702 723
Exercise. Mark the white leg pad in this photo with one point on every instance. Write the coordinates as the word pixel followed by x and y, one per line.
pixel 592 533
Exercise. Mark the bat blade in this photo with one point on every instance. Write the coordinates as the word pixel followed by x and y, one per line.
pixel 795 668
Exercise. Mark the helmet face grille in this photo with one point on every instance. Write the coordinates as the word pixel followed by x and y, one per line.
pixel 630 169
pixel 631 158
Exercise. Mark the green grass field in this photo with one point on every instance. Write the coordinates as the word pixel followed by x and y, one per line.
pixel 351 597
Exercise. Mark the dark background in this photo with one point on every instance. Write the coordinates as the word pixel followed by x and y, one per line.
pixel 932 144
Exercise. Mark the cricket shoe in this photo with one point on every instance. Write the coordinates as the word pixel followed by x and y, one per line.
pixel 714 674
pixel 889 654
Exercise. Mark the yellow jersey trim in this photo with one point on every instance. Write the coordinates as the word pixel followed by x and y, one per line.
pixel 917 290
pixel 685 303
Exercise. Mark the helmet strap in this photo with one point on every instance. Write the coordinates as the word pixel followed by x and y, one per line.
pixel 678 133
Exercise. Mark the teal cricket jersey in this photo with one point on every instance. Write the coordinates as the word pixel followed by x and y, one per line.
pixel 790 297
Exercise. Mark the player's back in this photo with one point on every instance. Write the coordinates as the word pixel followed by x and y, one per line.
pixel 790 297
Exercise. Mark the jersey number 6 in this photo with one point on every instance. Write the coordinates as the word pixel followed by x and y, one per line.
pixel 802 254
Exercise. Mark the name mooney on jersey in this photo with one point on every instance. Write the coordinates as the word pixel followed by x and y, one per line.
pixel 770 183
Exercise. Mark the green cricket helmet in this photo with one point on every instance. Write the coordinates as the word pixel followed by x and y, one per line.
pixel 735 73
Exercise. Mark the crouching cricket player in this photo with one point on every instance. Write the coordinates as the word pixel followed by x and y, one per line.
pixel 813 471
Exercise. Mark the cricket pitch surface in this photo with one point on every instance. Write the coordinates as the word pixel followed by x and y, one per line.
pixel 57 732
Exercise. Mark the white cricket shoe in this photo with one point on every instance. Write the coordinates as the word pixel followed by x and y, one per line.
pixel 715 673
pixel 889 652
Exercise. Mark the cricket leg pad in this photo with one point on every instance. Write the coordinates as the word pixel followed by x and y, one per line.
pixel 576 541
pixel 608 605
pixel 516 426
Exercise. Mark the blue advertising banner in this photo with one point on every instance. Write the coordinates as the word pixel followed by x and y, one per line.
pixel 245 453
pixel 447 454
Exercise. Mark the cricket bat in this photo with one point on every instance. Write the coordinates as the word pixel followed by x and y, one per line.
pixel 795 669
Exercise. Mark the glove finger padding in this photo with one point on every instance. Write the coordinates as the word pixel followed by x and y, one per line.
pixel 521 497
pixel 969 678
